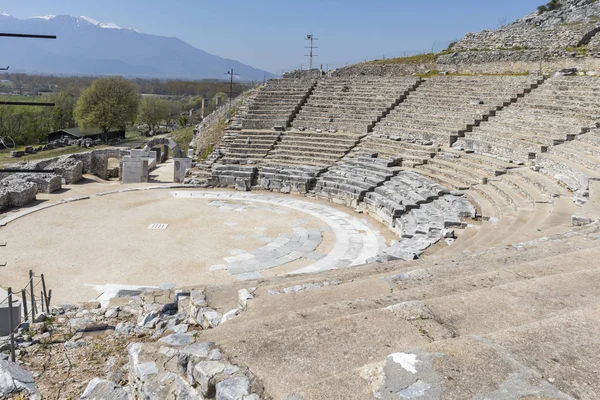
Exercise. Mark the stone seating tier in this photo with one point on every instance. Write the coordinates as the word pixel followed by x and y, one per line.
pixel 404 192
pixel 419 115
pixel 348 181
pixel 524 134
pixel 249 146
pixel 282 98
pixel 351 104
pixel 517 151
pixel 546 117
pixel 312 148
pixel 288 178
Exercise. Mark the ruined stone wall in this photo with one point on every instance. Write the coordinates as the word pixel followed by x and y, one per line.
pixel 303 74
pixel 529 37
pixel 369 69
pixel 488 62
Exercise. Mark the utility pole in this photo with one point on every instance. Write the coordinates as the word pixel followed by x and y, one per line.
pixel 231 75
pixel 311 38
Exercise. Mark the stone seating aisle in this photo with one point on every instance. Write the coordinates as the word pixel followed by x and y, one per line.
pixel 445 107
pixel 558 110
pixel 299 157
pixel 277 103
pixel 352 104
pixel 250 146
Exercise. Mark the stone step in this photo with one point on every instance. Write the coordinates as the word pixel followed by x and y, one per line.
pixel 524 134
pixel 439 136
pixel 575 152
pixel 513 195
pixel 310 325
pixel 542 182
pixel 529 191
pixel 465 179
pixel 476 172
pixel 515 151
pixel 571 174
pixel 502 203
pixel 482 160
pixel 298 161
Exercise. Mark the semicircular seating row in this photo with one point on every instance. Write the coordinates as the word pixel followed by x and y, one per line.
pixel 489 136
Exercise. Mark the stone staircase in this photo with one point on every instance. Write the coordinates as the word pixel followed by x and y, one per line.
pixel 300 156
pixel 352 104
pixel 240 177
pixel 444 108
pixel 277 103
pixel 250 146
pixel 557 111
pixel 452 327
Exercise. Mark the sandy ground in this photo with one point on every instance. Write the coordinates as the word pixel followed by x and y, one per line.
pixel 106 240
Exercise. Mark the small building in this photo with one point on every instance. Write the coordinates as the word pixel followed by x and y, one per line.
pixel 92 133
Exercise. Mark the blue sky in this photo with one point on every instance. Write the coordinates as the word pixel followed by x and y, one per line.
pixel 269 34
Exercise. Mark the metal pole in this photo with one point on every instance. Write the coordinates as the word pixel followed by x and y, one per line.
pixel 10 325
pixel 21 35
pixel 49 297
pixel 26 103
pixel 311 52
pixel 230 89
pixel 24 301
pixel 32 296
pixel 45 299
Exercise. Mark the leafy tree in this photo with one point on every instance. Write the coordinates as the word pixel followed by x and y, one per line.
pixel 153 111
pixel 26 125
pixel 183 120
pixel 174 110
pixel 109 103
pixel 62 114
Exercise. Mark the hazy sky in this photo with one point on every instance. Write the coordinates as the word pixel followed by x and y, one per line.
pixel 269 34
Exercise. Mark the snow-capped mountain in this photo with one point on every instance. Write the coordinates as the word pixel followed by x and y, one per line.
pixel 84 19
pixel 85 46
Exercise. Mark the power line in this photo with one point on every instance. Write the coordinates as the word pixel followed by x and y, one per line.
pixel 310 37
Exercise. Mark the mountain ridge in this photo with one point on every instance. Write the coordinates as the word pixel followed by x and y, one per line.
pixel 88 47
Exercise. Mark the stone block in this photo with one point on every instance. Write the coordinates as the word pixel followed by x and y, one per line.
pixel 4 313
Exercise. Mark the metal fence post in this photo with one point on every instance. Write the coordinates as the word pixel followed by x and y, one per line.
pixel 24 301
pixel 45 299
pixel 32 296
pixel 11 325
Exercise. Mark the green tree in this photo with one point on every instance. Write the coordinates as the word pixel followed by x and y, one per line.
pixel 109 103
pixel 153 111
pixel 183 120
pixel 62 114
